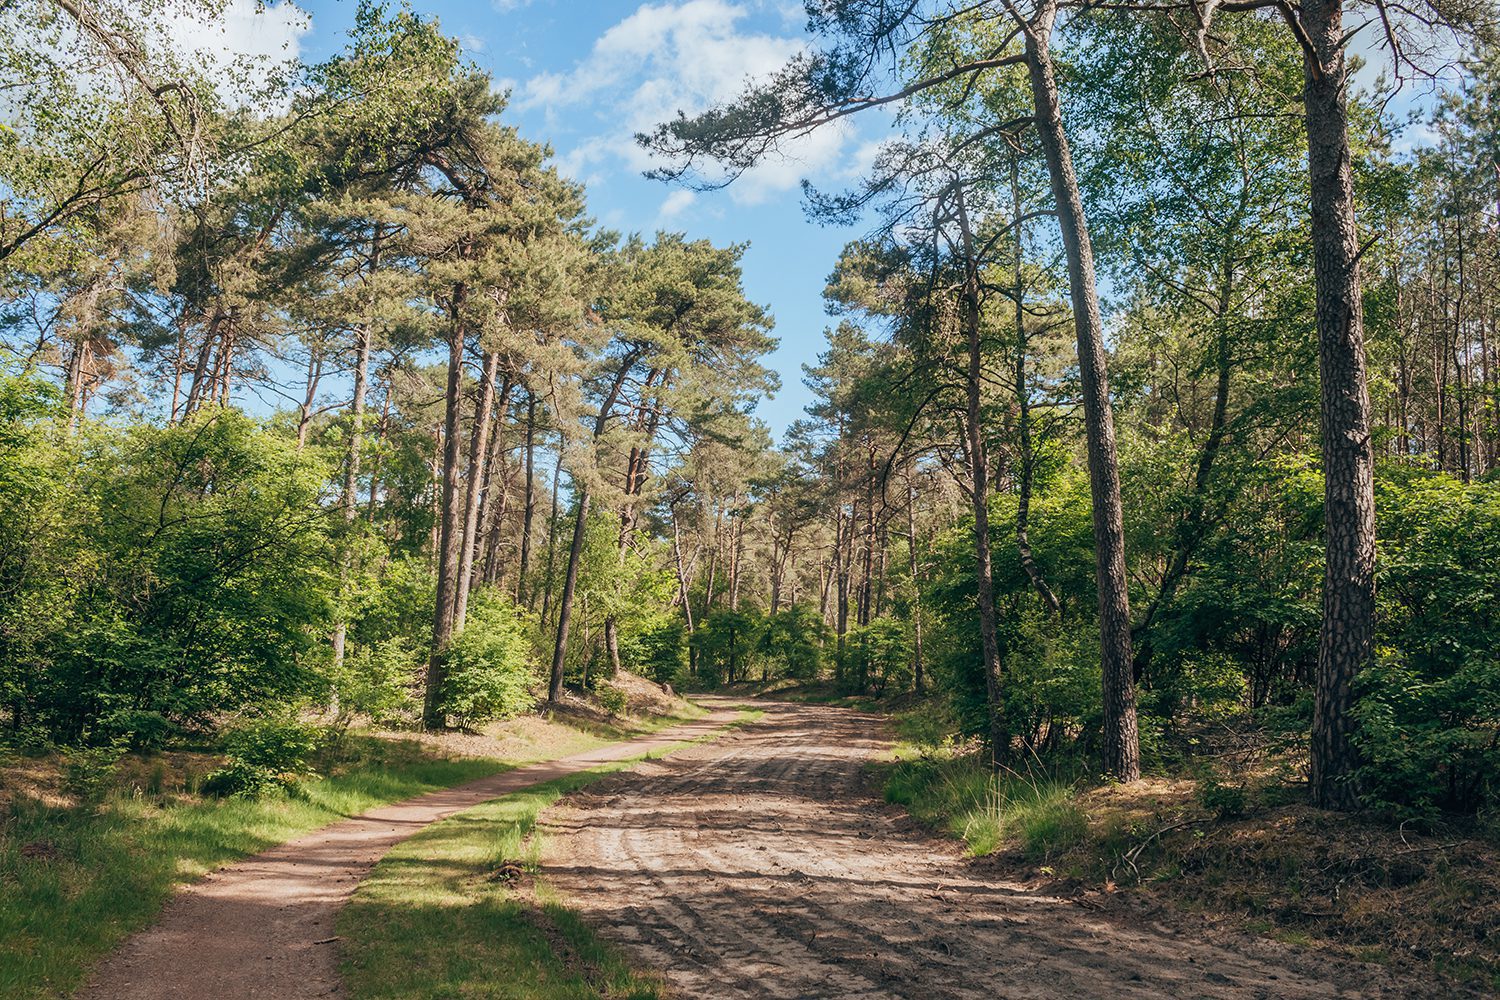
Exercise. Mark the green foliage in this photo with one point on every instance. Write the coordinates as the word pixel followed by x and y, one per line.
pixel 1429 709
pixel 142 728
pixel 878 656
pixel 612 699
pixel 793 641
pixel 727 642
pixel 658 651
pixel 489 663
pixel 197 579
pixel 265 755
pixel 1223 800
pixel 379 680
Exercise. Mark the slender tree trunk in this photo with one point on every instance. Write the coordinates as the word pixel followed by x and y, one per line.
pixel 528 515
pixel 552 537
pixel 916 580
pixel 979 476
pixel 309 396
pixel 479 450
pixel 1346 640
pixel 450 531
pixel 1023 408
pixel 575 551
pixel 348 501
pixel 1122 757
pixel 565 602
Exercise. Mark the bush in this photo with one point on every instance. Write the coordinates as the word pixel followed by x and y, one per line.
pixel 659 652
pixel 1429 709
pixel 793 642
pixel 488 664
pixel 1224 801
pixel 144 730
pixel 727 644
pixel 89 771
pixel 379 681
pixel 612 699
pixel 265 755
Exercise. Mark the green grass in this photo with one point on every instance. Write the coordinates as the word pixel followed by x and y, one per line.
pixel 959 794
pixel 431 922
pixel 75 882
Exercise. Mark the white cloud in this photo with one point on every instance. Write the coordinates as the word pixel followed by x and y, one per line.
pixel 667 57
pixel 246 36
pixel 674 205
pixel 471 42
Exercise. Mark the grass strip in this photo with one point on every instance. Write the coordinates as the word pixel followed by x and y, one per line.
pixel 456 912
pixel 74 882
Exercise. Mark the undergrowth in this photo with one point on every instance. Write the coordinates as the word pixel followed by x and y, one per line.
pixel 955 788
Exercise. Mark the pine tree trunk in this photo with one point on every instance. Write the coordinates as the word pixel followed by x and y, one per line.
pixel 349 501
pixel 1346 640
pixel 575 551
pixel 1120 737
pixel 565 602
pixel 479 450
pixel 450 532
pixel 529 511
pixel 916 581
pixel 979 477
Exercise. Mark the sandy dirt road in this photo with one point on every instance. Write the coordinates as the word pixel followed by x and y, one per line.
pixel 760 866
pixel 263 927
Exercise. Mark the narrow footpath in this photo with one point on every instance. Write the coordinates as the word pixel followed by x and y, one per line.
pixel 263 927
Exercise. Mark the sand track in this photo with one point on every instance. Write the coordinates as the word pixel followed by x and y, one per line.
pixel 760 866
pixel 263 927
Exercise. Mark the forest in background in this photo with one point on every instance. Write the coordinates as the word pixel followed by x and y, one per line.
pixel 1065 471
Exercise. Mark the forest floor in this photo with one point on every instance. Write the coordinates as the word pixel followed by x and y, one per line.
pixel 765 865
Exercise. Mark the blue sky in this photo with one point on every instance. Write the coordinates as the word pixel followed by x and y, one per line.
pixel 584 76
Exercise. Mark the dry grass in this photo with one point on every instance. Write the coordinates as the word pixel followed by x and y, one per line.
pixel 1359 885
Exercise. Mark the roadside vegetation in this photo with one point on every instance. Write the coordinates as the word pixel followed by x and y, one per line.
pixel 1224 835
pixel 93 845
pixel 461 910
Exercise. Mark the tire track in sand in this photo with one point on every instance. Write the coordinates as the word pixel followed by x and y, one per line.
pixel 758 867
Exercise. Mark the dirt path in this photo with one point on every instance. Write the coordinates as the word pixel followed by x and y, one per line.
pixel 263 927
pixel 757 867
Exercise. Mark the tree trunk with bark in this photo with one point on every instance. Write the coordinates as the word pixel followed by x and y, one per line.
pixel 449 530
pixel 1121 741
pixel 1346 640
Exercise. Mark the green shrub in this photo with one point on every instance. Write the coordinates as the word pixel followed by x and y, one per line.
pixel 488 664
pixel 1224 801
pixel 264 755
pixel 659 651
pixel 143 729
pixel 89 771
pixel 612 699
pixel 1429 708
pixel 728 643
pixel 793 642
pixel 380 681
